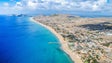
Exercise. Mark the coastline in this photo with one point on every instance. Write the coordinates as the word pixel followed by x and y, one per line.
pixel 75 58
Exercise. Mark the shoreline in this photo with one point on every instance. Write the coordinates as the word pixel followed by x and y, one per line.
pixel 74 57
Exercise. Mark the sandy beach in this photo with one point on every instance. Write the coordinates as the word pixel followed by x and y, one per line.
pixel 75 58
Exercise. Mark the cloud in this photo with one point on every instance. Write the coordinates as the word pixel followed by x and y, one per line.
pixel 68 5
pixel 32 5
pixel 6 4
pixel 18 6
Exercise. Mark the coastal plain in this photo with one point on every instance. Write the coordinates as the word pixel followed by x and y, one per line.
pixel 85 40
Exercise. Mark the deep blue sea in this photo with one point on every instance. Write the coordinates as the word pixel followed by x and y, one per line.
pixel 23 41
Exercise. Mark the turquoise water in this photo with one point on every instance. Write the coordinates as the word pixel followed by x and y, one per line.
pixel 23 41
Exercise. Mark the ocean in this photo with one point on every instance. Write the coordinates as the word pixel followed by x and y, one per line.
pixel 24 41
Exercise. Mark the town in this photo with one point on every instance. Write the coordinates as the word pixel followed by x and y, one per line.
pixel 89 38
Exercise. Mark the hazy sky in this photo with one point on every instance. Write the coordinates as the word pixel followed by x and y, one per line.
pixel 49 6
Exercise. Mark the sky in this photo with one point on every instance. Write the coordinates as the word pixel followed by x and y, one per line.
pixel 102 7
